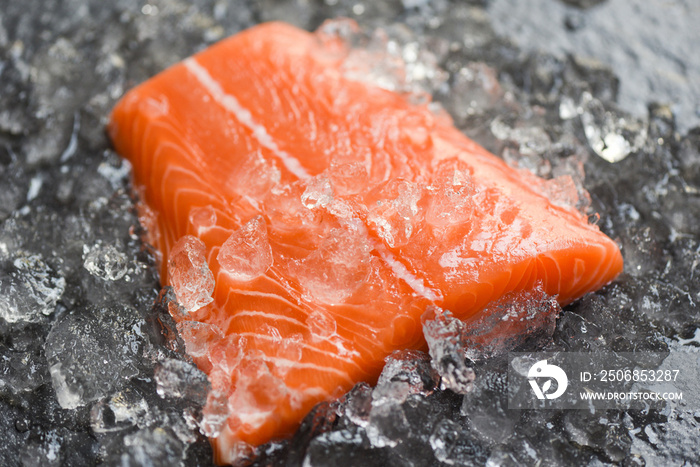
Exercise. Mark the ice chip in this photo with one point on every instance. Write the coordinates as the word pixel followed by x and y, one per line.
pixel 387 421
pixel 530 140
pixel 202 218
pixel 348 179
pixel 318 193
pixel 29 289
pixel 486 407
pixel 91 353
pixel 338 267
pixel 215 413
pixel 450 198
pixel 475 90
pixel 246 254
pixel 337 35
pixel 198 337
pixel 226 354
pixel 189 273
pixel 291 347
pixel 534 163
pixel 406 374
pixel 358 404
pixel 69 397
pixel 411 367
pixel 443 333
pixel 256 394
pixel 255 178
pixel 147 444
pixel 391 59
pixel 178 379
pixel 392 207
pixel 286 211
pixel 612 138
pixel 562 192
pixel 528 316
pixel 567 108
pixel 321 325
pixel 452 445
pixel 105 262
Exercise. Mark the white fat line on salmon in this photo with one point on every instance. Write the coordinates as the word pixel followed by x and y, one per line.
pixel 402 272
pixel 285 363
pixel 270 317
pixel 266 295
pixel 305 345
pixel 244 116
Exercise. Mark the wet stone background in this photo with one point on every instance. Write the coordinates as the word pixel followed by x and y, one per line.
pixel 91 368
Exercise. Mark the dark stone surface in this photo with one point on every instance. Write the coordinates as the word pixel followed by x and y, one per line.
pixel 77 286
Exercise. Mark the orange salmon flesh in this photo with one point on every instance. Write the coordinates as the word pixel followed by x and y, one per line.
pixel 306 220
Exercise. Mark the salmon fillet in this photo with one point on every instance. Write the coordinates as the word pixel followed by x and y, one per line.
pixel 306 220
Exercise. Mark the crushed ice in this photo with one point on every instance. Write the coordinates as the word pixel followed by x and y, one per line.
pixel 611 137
pixel 105 262
pixel 29 288
pixel 246 254
pixel 189 273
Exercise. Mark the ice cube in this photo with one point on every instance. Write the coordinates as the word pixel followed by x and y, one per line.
pixel 255 177
pixel 453 445
pixel 122 410
pixel 358 404
pixel 612 138
pixel 601 431
pixel 256 394
pixel 406 374
pixel 391 59
pixel 343 446
pixel 286 211
pixel 226 354
pixel 202 218
pixel 29 288
pixel 175 378
pixel 199 337
pixel 531 140
pixel 411 367
pixel 246 254
pixel 320 324
pixel 318 192
pixel 105 262
pixel 392 207
pixel 443 333
pixel 92 352
pixel 69 396
pixel 349 178
pixel 148 444
pixel 486 406
pixel 387 420
pixel 189 273
pixel 290 348
pixel 340 265
pixel 561 191
pixel 450 195
pixel 520 318
pixel 475 89
pixel 215 412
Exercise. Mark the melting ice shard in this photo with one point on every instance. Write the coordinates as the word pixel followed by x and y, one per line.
pixel 308 223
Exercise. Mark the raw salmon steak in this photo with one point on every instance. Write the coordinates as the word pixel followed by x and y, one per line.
pixel 306 219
